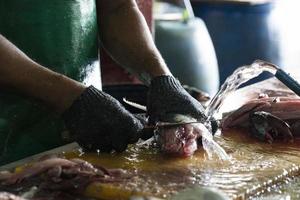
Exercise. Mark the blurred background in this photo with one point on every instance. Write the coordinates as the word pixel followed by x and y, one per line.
pixel 225 34
pixel 204 41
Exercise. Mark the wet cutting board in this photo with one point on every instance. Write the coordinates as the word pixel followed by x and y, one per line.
pixel 253 168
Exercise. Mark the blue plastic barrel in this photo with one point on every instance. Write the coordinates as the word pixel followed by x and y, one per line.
pixel 241 32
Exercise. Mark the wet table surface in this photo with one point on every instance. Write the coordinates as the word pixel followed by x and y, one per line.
pixel 255 167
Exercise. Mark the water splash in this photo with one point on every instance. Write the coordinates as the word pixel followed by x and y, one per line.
pixel 209 145
pixel 239 76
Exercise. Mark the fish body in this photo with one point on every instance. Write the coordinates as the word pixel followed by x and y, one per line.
pixel 268 118
pixel 55 176
pixel 180 138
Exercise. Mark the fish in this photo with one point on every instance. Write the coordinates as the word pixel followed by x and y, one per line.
pixel 267 118
pixel 180 138
pixel 57 175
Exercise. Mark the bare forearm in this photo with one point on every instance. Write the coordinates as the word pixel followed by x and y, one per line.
pixel 125 35
pixel 19 72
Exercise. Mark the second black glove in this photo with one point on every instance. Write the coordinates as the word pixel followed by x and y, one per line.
pixel 98 121
pixel 167 96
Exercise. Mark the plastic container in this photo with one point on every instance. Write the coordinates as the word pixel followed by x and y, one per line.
pixel 241 32
pixel 188 51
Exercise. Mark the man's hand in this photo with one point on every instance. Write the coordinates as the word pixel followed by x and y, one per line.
pixel 98 121
pixel 166 96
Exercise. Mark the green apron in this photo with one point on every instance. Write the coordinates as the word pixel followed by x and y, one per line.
pixel 61 35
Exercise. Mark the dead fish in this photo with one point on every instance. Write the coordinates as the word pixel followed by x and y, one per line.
pixel 267 118
pixel 37 168
pixel 178 139
pixel 61 173
pixel 268 127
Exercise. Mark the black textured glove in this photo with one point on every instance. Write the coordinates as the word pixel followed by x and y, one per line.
pixel 98 121
pixel 166 96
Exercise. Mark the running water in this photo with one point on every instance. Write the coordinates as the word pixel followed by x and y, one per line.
pixel 239 76
pixel 209 145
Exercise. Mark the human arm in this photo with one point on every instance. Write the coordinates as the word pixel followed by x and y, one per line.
pixel 126 36
pixel 19 72
pixel 95 119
